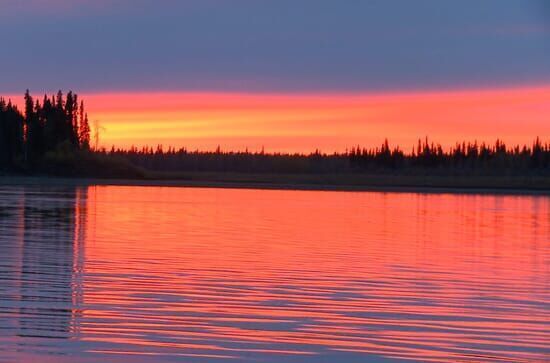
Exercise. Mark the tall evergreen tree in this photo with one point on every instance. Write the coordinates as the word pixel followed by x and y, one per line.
pixel 11 135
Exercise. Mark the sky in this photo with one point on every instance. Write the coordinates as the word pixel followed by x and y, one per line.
pixel 288 75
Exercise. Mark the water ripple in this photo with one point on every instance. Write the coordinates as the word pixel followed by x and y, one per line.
pixel 139 274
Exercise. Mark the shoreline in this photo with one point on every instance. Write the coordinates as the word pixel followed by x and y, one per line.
pixel 423 184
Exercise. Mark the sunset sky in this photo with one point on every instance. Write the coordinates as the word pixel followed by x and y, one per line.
pixel 288 75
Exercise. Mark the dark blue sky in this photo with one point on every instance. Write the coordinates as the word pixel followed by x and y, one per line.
pixel 273 45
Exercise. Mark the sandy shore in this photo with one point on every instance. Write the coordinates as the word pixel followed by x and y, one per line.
pixel 378 184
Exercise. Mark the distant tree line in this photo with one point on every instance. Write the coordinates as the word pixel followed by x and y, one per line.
pixel 57 124
pixel 465 157
pixel 53 135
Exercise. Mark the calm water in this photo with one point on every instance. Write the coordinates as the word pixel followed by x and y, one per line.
pixel 143 274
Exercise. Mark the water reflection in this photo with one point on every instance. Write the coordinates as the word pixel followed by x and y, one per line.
pixel 126 274
pixel 42 239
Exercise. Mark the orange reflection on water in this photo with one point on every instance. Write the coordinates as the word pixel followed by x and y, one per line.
pixel 259 274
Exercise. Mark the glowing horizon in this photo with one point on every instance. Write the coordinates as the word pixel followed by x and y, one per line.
pixel 304 122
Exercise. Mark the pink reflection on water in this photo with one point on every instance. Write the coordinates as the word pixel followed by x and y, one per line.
pixel 235 273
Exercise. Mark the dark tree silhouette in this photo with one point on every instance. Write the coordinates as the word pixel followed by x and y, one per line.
pixel 84 128
pixel 11 134
pixel 44 127
pixel 464 158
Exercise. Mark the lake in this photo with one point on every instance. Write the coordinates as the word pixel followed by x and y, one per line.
pixel 153 274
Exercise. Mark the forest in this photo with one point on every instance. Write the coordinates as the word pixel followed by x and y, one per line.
pixel 57 124
pixel 51 136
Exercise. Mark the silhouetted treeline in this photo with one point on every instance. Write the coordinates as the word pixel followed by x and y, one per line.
pixel 478 158
pixel 57 124
pixel 52 135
